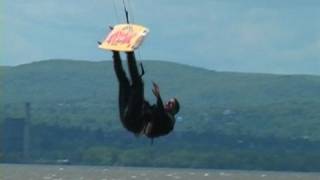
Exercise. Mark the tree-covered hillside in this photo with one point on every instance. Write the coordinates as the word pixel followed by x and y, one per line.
pixel 84 94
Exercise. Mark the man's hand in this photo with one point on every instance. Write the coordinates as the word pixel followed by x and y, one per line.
pixel 156 90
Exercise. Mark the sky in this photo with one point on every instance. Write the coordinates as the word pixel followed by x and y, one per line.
pixel 264 36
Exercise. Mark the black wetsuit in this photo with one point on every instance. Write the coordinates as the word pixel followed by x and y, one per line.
pixel 135 112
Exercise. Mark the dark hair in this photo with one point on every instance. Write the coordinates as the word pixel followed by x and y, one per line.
pixel 177 106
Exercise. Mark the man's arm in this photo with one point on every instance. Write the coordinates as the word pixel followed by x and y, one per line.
pixel 156 92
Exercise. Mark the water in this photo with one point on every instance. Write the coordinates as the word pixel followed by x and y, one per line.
pixel 48 172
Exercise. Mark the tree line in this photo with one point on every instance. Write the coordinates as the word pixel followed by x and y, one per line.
pixel 51 143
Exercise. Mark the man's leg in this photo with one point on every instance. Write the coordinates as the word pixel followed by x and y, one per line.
pixel 136 100
pixel 133 68
pixel 124 85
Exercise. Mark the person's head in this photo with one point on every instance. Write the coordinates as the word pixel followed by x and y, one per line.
pixel 172 106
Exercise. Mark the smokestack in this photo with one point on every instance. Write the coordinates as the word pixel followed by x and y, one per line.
pixel 26 136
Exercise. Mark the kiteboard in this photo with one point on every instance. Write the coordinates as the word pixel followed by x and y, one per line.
pixel 124 37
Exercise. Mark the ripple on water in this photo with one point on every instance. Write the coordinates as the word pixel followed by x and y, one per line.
pixel 50 177
pixel 224 174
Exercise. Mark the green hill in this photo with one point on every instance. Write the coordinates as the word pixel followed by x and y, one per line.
pixel 84 94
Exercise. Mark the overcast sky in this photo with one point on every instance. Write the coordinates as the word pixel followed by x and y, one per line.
pixel 268 36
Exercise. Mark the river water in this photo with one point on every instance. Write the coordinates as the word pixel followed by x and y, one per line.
pixel 58 172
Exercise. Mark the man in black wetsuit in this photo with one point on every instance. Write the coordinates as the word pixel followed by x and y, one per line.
pixel 136 114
